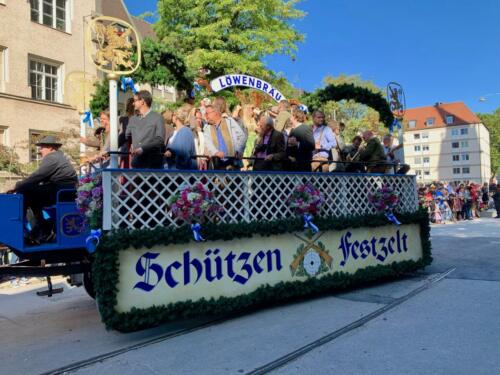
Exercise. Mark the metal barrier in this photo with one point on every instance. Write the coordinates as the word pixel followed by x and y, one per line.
pixel 137 198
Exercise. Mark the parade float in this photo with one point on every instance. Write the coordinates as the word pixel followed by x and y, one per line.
pixel 157 245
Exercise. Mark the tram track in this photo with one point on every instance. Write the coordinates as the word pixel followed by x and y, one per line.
pixel 292 356
pixel 265 369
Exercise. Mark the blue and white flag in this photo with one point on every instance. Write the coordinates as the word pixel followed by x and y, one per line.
pixel 128 83
pixel 87 119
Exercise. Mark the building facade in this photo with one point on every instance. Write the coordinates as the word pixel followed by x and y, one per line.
pixel 41 52
pixel 446 142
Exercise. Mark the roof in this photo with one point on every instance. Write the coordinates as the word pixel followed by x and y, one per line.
pixel 144 28
pixel 462 115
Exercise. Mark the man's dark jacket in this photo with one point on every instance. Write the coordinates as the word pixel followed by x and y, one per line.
pixel 276 148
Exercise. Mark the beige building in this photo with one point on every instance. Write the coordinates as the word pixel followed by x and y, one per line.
pixel 446 142
pixel 41 52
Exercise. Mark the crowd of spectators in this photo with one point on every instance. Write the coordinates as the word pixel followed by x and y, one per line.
pixel 452 202
pixel 212 136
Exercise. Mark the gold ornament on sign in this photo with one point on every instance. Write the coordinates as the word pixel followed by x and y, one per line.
pixel 110 42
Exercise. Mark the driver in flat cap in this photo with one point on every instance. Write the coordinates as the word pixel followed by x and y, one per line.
pixel 54 173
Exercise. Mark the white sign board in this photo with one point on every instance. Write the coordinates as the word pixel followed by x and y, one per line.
pixel 163 275
pixel 232 80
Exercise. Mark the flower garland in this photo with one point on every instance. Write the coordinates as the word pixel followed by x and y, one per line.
pixel 89 199
pixel 193 204
pixel 385 200
pixel 306 200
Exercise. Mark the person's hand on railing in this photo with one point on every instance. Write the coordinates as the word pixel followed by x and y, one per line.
pixel 137 151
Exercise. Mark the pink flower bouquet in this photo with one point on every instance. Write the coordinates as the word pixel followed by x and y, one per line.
pixel 193 204
pixel 89 199
pixel 384 199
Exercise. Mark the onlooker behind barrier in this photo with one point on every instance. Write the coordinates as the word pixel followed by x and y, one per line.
pixel 181 151
pixel 373 153
pixel 147 133
pixel 324 141
pixel 283 116
pixel 351 156
pixel 270 148
pixel 224 140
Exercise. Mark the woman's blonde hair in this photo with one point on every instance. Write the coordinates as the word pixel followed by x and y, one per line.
pixel 182 114
pixel 248 119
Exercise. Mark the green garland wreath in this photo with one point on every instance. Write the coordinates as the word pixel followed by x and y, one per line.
pixel 351 92
pixel 105 268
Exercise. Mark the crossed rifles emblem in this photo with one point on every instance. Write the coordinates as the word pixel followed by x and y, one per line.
pixel 310 245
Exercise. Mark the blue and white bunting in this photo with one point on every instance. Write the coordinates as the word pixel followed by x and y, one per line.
pixel 93 240
pixel 87 119
pixel 128 83
pixel 309 224
pixel 391 217
pixel 196 228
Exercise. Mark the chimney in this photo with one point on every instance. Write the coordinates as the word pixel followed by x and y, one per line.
pixel 437 104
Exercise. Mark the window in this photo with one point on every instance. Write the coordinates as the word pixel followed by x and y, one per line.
pixel 455 145
pixel 425 148
pixel 466 170
pixel 456 170
pixel 417 148
pixel 464 131
pixel 418 160
pixel 44 79
pixel 456 157
pixel 449 120
pixel 427 173
pixel 464 144
pixel 416 136
pixel 418 173
pixel 454 132
pixel 412 124
pixel 426 160
pixel 425 135
pixel 430 121
pixel 465 157
pixel 52 13
pixel 3 136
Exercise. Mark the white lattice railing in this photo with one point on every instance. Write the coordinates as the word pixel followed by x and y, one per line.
pixel 137 199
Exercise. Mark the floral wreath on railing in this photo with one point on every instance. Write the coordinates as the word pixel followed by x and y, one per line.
pixel 306 200
pixel 193 205
pixel 89 201
pixel 385 200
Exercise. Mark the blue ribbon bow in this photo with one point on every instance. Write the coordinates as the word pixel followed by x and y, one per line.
pixel 396 123
pixel 391 217
pixel 128 83
pixel 196 228
pixel 309 224
pixel 87 118
pixel 93 240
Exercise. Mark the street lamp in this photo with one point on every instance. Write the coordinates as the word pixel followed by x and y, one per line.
pixel 484 97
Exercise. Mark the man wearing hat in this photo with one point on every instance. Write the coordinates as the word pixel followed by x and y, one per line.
pixel 54 173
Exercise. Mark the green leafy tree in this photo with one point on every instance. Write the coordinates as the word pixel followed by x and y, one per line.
pixel 492 122
pixel 357 117
pixel 229 36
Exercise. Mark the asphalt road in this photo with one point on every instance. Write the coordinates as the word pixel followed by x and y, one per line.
pixel 450 327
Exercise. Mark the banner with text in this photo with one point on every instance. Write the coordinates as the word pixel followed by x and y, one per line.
pixel 231 80
pixel 160 275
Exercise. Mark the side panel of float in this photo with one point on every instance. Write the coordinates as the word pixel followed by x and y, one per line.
pixel 230 269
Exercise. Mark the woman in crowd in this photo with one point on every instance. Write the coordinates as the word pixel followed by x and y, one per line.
pixel 181 146
pixel 196 123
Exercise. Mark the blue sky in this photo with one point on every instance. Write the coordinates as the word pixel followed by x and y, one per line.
pixel 439 50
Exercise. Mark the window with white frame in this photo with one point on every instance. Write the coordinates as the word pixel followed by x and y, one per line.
pixel 412 124
pixel 53 13
pixel 417 148
pixel 456 157
pixel 425 135
pixel 418 160
pixel 416 136
pixel 426 160
pixel 464 144
pixel 465 157
pixel 456 170
pixel 464 131
pixel 455 132
pixel 427 173
pixel 430 121
pixel 3 66
pixel 466 170
pixel 44 80
pixel 449 120
pixel 425 148
pixel 455 144
pixel 418 173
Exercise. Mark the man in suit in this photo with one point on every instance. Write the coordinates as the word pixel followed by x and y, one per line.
pixel 270 149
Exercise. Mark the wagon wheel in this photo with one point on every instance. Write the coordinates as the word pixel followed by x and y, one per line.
pixel 88 285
